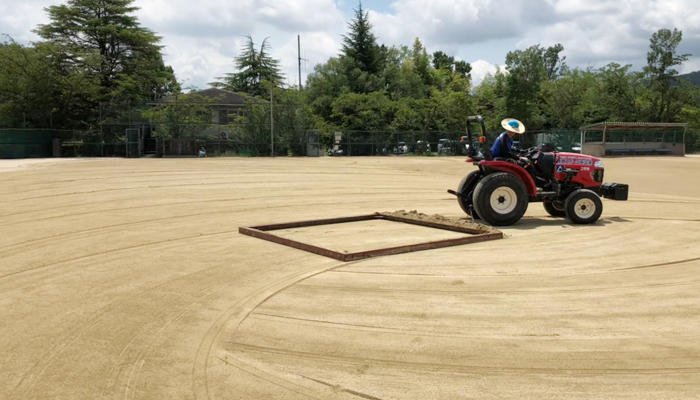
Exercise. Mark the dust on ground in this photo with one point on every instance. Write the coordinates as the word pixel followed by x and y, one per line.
pixel 441 219
pixel 24 164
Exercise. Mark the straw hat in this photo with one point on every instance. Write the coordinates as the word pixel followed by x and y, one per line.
pixel 513 125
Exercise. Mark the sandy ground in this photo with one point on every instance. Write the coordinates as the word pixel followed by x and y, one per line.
pixel 128 279
pixel 33 163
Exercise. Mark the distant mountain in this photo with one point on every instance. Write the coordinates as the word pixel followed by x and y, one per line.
pixel 693 77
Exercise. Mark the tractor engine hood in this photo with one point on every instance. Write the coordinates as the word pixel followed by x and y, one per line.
pixel 579 160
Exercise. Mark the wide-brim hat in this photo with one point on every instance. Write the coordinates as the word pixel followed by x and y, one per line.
pixel 513 125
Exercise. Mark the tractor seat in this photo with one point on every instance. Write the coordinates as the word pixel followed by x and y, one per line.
pixel 544 163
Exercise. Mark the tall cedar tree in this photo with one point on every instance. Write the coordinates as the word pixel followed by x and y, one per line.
pixel 255 67
pixel 361 45
pixel 103 37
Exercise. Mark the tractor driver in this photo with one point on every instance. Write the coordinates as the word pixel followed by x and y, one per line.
pixel 503 146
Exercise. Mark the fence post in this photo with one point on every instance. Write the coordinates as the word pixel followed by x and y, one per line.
pixel 102 139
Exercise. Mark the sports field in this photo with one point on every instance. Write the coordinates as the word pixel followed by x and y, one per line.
pixel 124 278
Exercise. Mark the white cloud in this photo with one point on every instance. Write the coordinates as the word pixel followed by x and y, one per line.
pixel 458 21
pixel 18 19
pixel 692 65
pixel 202 38
pixel 480 69
pixel 593 32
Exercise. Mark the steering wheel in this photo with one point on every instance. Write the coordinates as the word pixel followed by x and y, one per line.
pixel 529 152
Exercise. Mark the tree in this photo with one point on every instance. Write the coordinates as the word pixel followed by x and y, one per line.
pixel 463 68
pixel 421 61
pixel 325 84
pixel 38 91
pixel 619 92
pixel 103 38
pixel 526 72
pixel 661 59
pixel 490 99
pixel 255 67
pixel 691 115
pixel 400 75
pixel 443 61
pixel 291 121
pixel 363 112
pixel 360 44
pixel 184 117
pixel 553 63
pixel 565 99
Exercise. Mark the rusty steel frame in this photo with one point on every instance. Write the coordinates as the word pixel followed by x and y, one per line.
pixel 262 232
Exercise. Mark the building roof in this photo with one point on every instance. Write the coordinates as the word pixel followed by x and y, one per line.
pixel 223 97
pixel 634 126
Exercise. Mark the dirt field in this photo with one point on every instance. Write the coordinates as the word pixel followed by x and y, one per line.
pixel 129 279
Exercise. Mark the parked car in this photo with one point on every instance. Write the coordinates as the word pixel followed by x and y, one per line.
pixel 401 148
pixel 422 147
pixel 445 146
pixel 335 151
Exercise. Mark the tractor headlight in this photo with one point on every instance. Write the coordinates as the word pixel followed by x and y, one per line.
pixel 599 164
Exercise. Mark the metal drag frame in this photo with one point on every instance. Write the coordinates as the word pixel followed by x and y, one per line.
pixel 262 232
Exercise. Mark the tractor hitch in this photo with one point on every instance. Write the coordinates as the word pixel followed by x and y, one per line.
pixel 452 192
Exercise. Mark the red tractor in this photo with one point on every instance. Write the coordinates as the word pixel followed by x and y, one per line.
pixel 569 184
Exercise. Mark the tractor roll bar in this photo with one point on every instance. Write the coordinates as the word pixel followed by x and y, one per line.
pixel 482 139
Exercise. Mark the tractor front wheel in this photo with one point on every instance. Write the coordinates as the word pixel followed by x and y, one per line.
pixel 583 206
pixel 466 189
pixel 555 209
pixel 500 199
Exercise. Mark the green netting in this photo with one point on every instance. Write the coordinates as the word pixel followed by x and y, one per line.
pixel 19 143
pixel 635 136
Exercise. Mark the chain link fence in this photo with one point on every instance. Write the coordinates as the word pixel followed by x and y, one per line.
pixel 255 128
pixel 137 140
pixel 443 143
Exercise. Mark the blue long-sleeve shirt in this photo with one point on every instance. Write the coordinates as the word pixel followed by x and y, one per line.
pixel 502 146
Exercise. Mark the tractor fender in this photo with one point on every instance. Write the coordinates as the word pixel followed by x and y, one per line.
pixel 504 166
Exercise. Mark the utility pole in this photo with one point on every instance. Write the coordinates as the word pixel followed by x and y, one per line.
pixel 301 86
pixel 299 59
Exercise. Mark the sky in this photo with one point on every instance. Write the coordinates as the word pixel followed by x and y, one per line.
pixel 202 37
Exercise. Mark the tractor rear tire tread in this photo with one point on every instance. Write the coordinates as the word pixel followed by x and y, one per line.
pixel 466 187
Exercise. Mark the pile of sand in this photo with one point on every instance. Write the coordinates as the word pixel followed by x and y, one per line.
pixel 415 215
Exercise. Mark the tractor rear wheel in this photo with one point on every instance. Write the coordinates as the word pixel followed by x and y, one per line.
pixel 466 189
pixel 583 206
pixel 555 209
pixel 500 199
